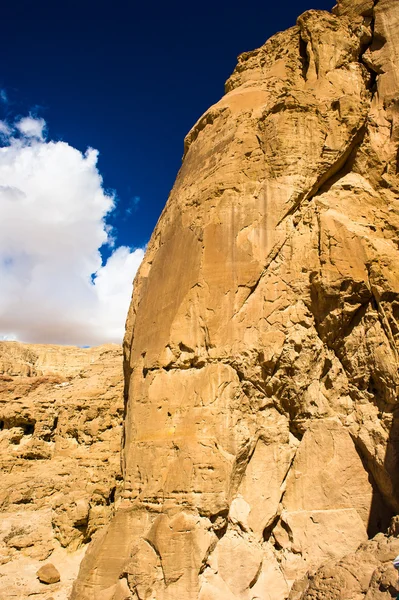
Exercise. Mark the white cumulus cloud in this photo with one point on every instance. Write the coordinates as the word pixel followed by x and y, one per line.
pixel 31 127
pixel 53 286
pixel 4 129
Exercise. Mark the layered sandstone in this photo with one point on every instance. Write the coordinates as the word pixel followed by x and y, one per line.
pixel 261 352
pixel 61 411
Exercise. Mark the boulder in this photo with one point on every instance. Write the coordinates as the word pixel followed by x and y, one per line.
pixel 48 573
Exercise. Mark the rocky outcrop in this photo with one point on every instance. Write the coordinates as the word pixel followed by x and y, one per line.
pixel 261 351
pixel 61 412
pixel 367 573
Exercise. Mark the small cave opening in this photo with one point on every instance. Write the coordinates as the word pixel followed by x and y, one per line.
pixel 296 430
pixel 303 53
pixel 372 83
pixel 372 388
pixel 1 425
pixel 83 529
pixel 219 523
pixel 28 428
pixel 25 500
pixel 111 497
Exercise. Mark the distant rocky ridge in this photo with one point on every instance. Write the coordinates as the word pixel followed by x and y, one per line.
pixel 61 411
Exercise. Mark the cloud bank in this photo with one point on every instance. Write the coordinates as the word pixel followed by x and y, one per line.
pixel 53 285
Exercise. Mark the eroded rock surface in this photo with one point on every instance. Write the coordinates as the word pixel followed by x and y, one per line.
pixel 61 412
pixel 367 573
pixel 261 352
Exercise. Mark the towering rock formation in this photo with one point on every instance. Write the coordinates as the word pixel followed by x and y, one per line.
pixel 61 412
pixel 261 351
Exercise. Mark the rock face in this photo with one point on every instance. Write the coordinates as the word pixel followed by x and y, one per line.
pixel 367 573
pixel 261 351
pixel 61 412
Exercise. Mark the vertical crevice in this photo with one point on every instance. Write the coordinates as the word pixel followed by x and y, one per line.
pixel 304 56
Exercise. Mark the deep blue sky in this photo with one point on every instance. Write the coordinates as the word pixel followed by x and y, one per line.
pixel 130 79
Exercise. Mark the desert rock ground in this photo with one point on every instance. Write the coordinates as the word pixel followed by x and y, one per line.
pixel 61 411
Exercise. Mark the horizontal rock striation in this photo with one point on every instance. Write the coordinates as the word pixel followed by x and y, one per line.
pixel 261 351
pixel 61 412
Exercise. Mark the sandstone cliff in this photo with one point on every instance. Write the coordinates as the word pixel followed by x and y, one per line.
pixel 261 351
pixel 61 412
